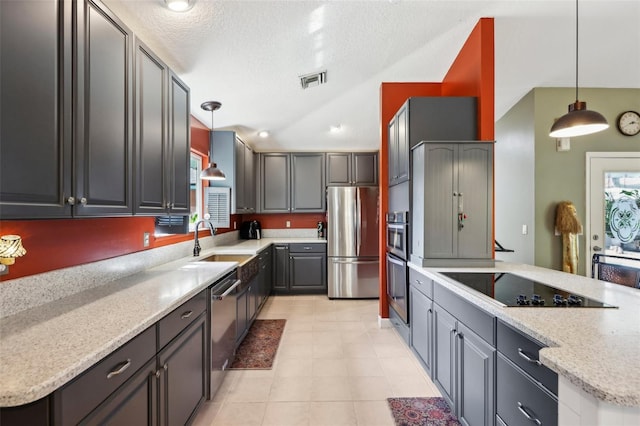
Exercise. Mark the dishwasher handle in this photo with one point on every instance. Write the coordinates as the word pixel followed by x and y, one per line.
pixel 227 292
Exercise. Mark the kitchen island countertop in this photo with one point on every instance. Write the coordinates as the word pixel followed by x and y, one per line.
pixel 596 349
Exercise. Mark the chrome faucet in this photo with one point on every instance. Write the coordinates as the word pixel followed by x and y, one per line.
pixel 196 243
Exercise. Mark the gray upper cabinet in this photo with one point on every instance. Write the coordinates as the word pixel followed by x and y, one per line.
pixel 427 118
pixel 89 118
pixel 179 151
pixel 151 131
pixel 35 156
pixel 452 201
pixel 347 169
pixel 237 160
pixel 103 99
pixel 77 59
pixel 292 182
pixel 275 183
pixel 162 148
pixel 307 182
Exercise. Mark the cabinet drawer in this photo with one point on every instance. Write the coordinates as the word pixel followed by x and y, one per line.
pixel 421 282
pixel 171 325
pixel 520 400
pixel 79 397
pixel 479 321
pixel 307 248
pixel 517 347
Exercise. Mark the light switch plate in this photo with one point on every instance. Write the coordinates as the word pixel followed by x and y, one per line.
pixel 563 144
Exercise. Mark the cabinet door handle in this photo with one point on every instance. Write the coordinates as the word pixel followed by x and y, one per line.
pixel 120 368
pixel 527 358
pixel 186 315
pixel 524 412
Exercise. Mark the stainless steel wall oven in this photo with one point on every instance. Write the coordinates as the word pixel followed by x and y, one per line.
pixel 397 256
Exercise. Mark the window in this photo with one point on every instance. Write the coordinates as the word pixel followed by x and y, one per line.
pixel 195 190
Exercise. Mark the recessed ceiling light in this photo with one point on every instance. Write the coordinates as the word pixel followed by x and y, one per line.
pixel 263 134
pixel 179 5
pixel 335 128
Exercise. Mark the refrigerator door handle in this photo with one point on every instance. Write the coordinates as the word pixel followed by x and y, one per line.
pixel 356 262
pixel 358 222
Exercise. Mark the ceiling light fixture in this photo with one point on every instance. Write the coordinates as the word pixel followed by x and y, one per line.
pixel 335 128
pixel 579 120
pixel 263 134
pixel 212 172
pixel 312 80
pixel 179 5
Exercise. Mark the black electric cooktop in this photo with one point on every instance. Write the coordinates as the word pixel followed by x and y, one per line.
pixel 513 290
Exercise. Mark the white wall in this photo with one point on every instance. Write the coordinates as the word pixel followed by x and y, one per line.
pixel 514 181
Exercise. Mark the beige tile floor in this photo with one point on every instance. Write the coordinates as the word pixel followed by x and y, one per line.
pixel 334 366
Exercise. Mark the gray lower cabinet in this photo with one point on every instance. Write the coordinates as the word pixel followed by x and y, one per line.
pixel 352 168
pixel 135 402
pixel 300 268
pixel 183 375
pixel 464 369
pixel 526 390
pixel 265 278
pixel 157 378
pixel 242 313
pixel 452 188
pixel 422 327
pixel 292 182
pixel 280 268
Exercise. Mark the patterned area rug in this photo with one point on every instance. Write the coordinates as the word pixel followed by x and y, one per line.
pixel 422 412
pixel 259 347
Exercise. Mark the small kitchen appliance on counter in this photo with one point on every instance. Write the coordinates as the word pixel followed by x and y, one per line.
pixel 250 230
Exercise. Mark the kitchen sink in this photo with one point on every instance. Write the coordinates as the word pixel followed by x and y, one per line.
pixel 248 264
pixel 240 258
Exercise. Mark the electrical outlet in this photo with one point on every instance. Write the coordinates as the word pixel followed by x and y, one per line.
pixel 234 224
pixel 145 239
pixel 525 229
pixel 288 224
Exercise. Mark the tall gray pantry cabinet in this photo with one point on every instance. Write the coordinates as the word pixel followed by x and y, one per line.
pixel 68 124
pixel 452 202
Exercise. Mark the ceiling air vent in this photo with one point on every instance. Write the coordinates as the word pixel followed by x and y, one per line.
pixel 312 80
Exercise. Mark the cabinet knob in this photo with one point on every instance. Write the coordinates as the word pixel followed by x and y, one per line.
pixel 83 201
pixel 71 201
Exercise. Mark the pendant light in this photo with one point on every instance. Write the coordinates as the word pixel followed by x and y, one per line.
pixel 579 120
pixel 212 172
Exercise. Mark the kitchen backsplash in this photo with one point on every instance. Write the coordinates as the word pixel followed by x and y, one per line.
pixel 35 290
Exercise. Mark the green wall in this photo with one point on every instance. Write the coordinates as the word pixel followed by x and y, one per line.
pixel 561 175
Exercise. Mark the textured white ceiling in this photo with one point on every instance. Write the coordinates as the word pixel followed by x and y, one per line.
pixel 248 55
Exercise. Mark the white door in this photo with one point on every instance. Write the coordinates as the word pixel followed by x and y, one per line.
pixel 613 205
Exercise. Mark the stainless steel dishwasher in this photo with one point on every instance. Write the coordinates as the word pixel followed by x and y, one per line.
pixel 223 295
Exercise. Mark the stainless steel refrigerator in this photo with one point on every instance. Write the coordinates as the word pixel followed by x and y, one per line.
pixel 352 242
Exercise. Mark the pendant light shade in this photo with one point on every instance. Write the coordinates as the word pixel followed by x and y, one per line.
pixel 212 172
pixel 579 120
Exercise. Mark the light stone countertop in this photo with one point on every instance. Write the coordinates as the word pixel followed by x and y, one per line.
pixel 46 346
pixel 596 349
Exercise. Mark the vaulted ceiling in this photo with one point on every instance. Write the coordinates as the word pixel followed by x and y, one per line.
pixel 249 55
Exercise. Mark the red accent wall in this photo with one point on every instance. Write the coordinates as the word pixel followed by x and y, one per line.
pixel 279 221
pixel 470 74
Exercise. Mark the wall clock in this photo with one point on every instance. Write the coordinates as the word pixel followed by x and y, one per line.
pixel 629 123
